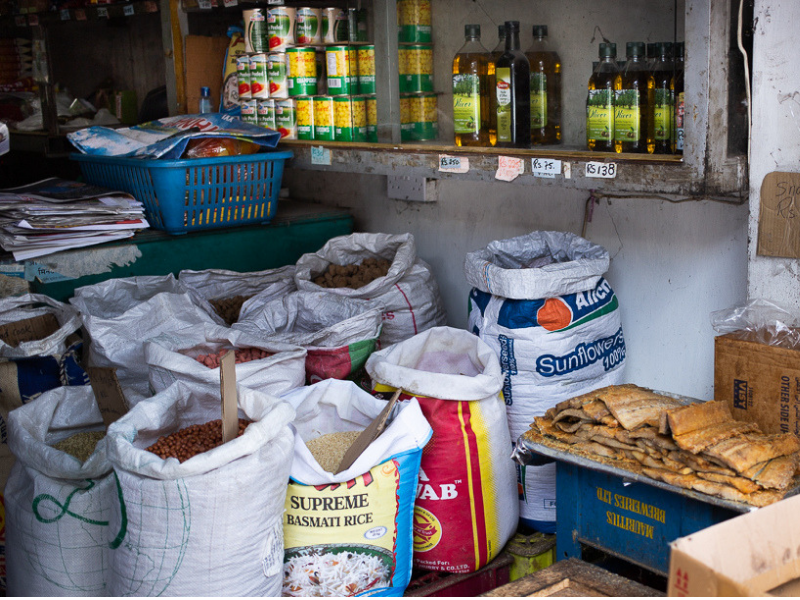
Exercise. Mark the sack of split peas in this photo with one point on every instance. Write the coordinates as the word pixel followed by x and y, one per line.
pixel 208 519
pixel 194 355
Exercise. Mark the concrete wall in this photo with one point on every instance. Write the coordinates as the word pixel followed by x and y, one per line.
pixel 672 264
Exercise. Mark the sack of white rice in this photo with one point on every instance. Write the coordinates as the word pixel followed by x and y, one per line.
pixel 467 505
pixel 350 533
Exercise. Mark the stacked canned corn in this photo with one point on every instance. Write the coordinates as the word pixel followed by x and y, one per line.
pixel 418 102
pixel 302 77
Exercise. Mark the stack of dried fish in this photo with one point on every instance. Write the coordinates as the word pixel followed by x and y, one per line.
pixel 696 446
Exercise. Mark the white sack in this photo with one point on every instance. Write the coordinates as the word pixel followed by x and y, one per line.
pixel 29 306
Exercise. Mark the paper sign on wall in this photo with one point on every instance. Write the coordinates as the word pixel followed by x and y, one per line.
pixel 779 219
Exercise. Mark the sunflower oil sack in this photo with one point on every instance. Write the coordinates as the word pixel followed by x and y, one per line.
pixel 466 508
pixel 351 533
pixel 541 303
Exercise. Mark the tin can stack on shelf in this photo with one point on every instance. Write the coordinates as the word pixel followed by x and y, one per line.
pixel 418 102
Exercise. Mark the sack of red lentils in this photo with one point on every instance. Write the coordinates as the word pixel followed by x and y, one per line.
pixel 379 267
pixel 59 497
pixel 466 507
pixel 211 523
pixel 350 533
pixel 194 355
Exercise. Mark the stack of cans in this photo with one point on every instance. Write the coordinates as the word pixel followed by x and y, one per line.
pixel 418 103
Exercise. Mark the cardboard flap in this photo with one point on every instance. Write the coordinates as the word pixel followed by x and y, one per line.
pixel 108 393
pixel 29 330
pixel 778 222
pixel 369 435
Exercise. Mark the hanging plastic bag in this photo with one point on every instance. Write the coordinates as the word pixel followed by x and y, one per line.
pixel 760 321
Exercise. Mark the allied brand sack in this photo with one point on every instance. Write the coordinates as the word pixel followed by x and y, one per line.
pixel 350 533
pixel 466 507
pixel 541 303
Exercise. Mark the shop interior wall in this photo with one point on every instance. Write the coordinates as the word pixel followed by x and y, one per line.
pixel 672 263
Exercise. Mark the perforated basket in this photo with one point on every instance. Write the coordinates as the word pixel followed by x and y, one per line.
pixel 193 194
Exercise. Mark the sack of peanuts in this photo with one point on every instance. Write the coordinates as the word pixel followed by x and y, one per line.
pixel 383 268
pixel 350 533
pixel 339 333
pixel 207 520
pixel 194 355
pixel 466 507
pixel 233 295
pixel 58 497
pixel 120 314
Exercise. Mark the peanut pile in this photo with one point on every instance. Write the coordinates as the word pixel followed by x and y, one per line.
pixel 353 276
pixel 242 355
pixel 193 440
pixel 229 308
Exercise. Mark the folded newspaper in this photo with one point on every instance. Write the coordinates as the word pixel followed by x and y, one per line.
pixel 167 138
pixel 55 214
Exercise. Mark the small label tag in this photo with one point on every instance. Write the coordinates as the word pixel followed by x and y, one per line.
pixel 545 167
pixel 320 155
pixel 108 393
pixel 601 170
pixel 204 4
pixel 509 168
pixel 230 2
pixel 227 386
pixel 102 13
pixel 567 170
pixel 64 13
pixel 128 10
pixel 29 330
pixel 274 1
pixel 80 14
pixel 453 164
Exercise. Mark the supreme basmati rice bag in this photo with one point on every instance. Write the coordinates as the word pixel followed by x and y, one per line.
pixel 466 507
pixel 350 534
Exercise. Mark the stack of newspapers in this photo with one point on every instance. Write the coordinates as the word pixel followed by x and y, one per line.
pixel 55 214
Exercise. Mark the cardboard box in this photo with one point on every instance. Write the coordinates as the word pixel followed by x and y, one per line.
pixel 760 383
pixel 755 554
pixel 205 59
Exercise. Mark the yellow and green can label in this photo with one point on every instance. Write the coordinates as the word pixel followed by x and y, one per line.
pixel 366 69
pixel 416 68
pixel 305 118
pixel 341 63
pixel 372 119
pixel 323 118
pixel 301 71
pixel 350 119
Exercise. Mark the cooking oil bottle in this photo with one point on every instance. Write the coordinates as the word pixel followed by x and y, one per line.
pixel 470 81
pixel 600 101
pixel 677 142
pixel 492 96
pixel 633 87
pixel 545 89
pixel 663 108
pixel 513 89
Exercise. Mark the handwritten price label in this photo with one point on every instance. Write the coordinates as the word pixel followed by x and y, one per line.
pixel 545 167
pixel 320 155
pixel 453 164
pixel 128 10
pixel 229 3
pixel 601 170
pixel 204 4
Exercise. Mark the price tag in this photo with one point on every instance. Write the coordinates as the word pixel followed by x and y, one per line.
pixel 64 13
pixel 33 20
pixel 204 4
pixel 509 168
pixel 567 170
pixel 229 3
pixel 80 14
pixel 320 155
pixel 128 10
pixel 102 12
pixel 601 170
pixel 545 167
pixel 274 1
pixel 453 164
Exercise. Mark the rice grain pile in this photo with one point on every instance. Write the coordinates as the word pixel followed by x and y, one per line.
pixel 81 445
pixel 343 574
pixel 329 449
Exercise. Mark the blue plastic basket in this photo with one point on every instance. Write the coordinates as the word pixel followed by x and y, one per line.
pixel 193 194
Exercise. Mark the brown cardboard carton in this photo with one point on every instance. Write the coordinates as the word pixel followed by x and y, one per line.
pixel 205 59
pixel 760 383
pixel 755 554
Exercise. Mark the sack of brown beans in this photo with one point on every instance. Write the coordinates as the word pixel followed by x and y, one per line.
pixel 207 521
pixel 58 502
pixel 121 314
pixel 338 333
pixel 233 295
pixel 270 367
pixel 350 533
pixel 407 291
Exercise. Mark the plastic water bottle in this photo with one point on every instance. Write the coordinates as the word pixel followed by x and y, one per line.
pixel 205 100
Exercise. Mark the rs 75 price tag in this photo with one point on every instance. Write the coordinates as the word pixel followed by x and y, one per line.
pixel 545 166
pixel 601 170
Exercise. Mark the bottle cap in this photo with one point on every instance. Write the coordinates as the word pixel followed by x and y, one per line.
pixel 501 31
pixel 680 49
pixel 205 91
pixel 664 49
pixel 634 49
pixel 512 26
pixel 608 49
pixel 651 50
pixel 539 31
pixel 472 30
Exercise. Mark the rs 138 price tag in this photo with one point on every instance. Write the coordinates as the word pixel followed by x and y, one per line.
pixel 453 164
pixel 601 170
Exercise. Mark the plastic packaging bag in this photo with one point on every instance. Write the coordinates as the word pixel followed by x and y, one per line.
pixel 760 321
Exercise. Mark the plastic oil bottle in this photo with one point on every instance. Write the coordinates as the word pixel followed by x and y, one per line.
pixel 470 91
pixel 633 129
pixel 513 89
pixel 545 89
pixel 663 107
pixel 600 101
pixel 494 55
pixel 679 99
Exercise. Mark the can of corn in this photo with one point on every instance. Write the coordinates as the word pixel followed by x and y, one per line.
pixel 366 69
pixel 305 117
pixel 308 27
pixel 301 71
pixel 350 119
pixel 341 61
pixel 424 117
pixel 276 75
pixel 322 78
pixel 266 114
pixel 259 86
pixel 406 126
pixel 323 118
pixel 280 27
pixel 372 119
pixel 416 68
pixel 243 76
pixel 256 37
pixel 249 111
pixel 414 21
pixel 286 118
